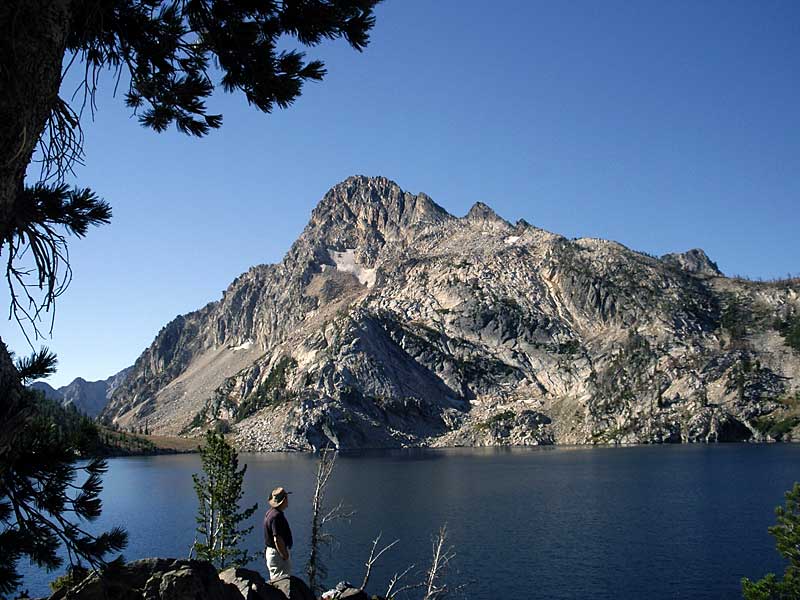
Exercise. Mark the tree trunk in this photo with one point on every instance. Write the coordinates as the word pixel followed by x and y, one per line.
pixel 33 35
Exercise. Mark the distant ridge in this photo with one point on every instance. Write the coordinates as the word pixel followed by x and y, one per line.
pixel 89 397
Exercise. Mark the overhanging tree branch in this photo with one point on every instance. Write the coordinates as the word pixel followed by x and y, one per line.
pixel 172 54
pixel 33 238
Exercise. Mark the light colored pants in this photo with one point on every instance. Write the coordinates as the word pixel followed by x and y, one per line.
pixel 276 564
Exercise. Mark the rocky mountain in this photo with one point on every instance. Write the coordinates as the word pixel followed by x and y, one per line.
pixel 391 322
pixel 48 390
pixel 89 397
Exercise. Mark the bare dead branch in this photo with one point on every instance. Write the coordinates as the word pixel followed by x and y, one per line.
pixel 435 586
pixel 338 512
pixel 373 558
pixel 320 517
pixel 392 592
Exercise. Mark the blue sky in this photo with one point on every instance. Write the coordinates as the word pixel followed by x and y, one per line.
pixel 662 125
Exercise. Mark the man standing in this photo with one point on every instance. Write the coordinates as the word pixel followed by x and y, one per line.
pixel 277 535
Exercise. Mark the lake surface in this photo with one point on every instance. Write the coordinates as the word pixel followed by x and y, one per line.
pixel 632 522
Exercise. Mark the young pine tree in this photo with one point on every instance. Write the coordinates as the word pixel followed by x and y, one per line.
pixel 219 491
pixel 787 540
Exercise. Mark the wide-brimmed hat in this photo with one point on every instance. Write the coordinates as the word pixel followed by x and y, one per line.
pixel 277 497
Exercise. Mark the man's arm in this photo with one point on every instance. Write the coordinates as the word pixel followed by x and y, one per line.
pixel 281 547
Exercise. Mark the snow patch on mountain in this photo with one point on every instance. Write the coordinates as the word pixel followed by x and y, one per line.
pixel 246 345
pixel 346 262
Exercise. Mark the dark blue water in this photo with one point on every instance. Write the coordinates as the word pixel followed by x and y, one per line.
pixel 641 522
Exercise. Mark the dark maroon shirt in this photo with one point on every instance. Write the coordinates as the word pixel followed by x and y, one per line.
pixel 275 523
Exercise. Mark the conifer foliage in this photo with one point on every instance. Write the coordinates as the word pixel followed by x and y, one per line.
pixel 167 47
pixel 219 518
pixel 787 540
pixel 166 57
pixel 46 495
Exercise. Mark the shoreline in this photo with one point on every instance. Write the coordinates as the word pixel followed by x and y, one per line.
pixel 152 445
pixel 169 445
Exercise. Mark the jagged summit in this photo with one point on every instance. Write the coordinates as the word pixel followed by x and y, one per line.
pixel 481 212
pixel 372 198
pixel 367 212
pixel 694 261
pixel 522 224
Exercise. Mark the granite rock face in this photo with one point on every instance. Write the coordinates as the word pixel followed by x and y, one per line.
pixel 694 261
pixel 392 323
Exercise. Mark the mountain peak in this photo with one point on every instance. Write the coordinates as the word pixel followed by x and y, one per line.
pixel 694 261
pixel 365 185
pixel 391 323
pixel 522 224
pixel 371 207
pixel 481 212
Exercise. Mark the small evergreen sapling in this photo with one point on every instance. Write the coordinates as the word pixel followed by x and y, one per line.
pixel 219 491
pixel 787 540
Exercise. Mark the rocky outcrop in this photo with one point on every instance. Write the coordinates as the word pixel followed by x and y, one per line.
pixel 392 323
pixel 251 585
pixel 694 261
pixel 345 591
pixel 291 588
pixel 153 579
pixel 172 579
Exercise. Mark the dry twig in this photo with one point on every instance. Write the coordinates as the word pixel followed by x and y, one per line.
pixel 373 558
pixel 392 592
pixel 435 586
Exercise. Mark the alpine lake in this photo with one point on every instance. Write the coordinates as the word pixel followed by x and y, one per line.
pixel 683 521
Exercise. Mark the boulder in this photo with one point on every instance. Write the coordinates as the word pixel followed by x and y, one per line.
pixel 353 594
pixel 292 588
pixel 250 584
pixel 153 579
pixel 188 582
pixel 345 591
